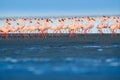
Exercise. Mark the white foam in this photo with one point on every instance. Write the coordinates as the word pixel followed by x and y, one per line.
pixel 9 67
pixel 100 50
pixel 91 46
pixel 35 59
pixel 31 68
pixel 114 64
pixel 75 69
pixel 58 69
pixel 38 72
pixel 11 60
pixel 109 60
pixel 69 59
pixel 44 59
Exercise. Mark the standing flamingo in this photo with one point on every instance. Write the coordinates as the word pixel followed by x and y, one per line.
pixel 114 26
pixel 103 24
pixel 44 28
pixel 87 25
pixel 73 27
pixel 6 28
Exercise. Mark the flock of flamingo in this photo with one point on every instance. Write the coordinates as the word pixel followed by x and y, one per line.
pixel 64 25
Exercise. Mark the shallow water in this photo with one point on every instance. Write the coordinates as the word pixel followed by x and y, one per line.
pixel 61 61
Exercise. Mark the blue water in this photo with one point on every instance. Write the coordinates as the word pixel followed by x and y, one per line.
pixel 66 61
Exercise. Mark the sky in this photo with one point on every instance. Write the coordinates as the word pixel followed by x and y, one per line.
pixel 59 7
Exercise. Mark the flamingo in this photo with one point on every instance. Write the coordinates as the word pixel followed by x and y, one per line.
pixel 58 28
pixel 102 25
pixel 65 27
pixel 44 28
pixel 5 29
pixel 36 25
pixel 78 26
pixel 114 26
pixel 92 20
pixel 72 30
pixel 73 27
pixel 12 28
pixel 54 29
pixel 21 25
pixel 87 25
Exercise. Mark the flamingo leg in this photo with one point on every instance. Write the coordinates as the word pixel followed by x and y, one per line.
pixel 100 31
pixel 6 35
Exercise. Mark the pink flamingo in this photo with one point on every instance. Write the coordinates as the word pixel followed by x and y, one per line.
pixel 44 28
pixel 6 28
pixel 65 27
pixel 102 25
pixel 21 25
pixel 87 25
pixel 73 27
pixel 58 28
pixel 114 26
pixel 12 28
pixel 92 20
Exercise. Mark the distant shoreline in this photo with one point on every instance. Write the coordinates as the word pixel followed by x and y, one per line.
pixel 3 17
